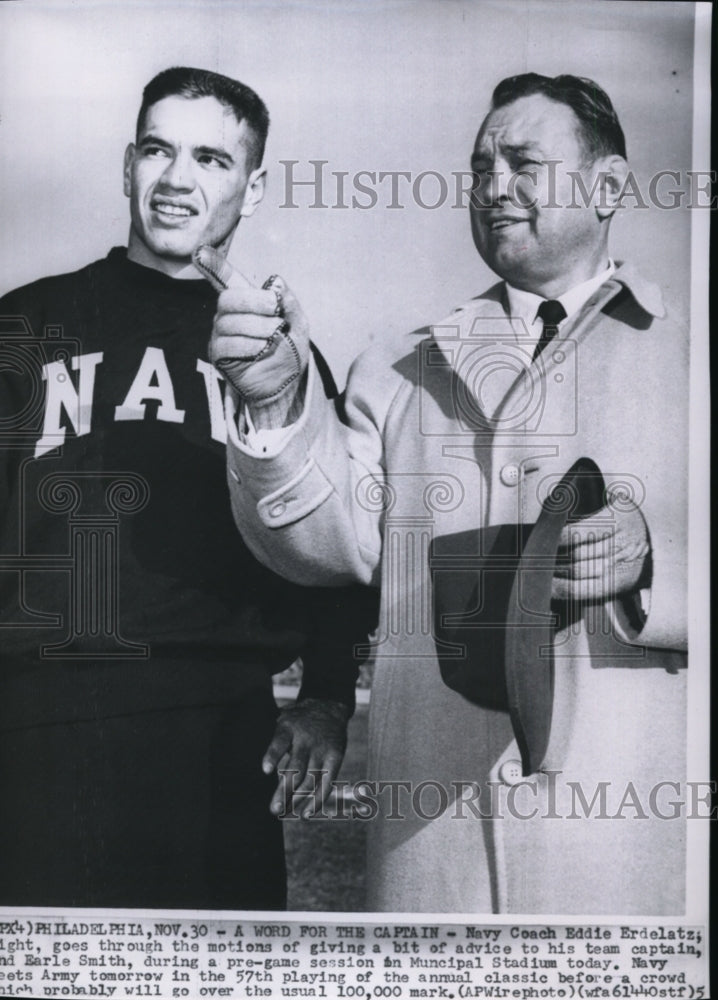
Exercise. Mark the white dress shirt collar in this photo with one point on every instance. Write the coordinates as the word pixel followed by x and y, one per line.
pixel 524 305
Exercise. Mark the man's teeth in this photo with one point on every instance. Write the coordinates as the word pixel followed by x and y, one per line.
pixel 172 209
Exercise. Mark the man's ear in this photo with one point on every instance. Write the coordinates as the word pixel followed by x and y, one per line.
pixel 612 174
pixel 255 191
pixel 127 169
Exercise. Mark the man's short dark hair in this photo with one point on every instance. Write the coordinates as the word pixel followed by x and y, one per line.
pixel 245 104
pixel 600 129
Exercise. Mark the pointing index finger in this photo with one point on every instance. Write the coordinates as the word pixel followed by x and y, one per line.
pixel 217 270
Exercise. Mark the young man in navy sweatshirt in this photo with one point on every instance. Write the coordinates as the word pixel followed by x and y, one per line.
pixel 138 731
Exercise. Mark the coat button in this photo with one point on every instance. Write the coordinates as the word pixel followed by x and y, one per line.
pixel 511 772
pixel 277 509
pixel 510 474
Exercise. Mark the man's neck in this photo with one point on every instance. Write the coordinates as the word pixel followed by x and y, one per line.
pixel 525 304
pixel 138 253
pixel 554 288
pixel 176 267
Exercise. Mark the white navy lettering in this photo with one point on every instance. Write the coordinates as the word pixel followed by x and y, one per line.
pixel 212 378
pixel 152 381
pixel 61 394
pixel 69 403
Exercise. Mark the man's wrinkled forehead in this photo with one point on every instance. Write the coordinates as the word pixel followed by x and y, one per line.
pixel 533 122
pixel 194 113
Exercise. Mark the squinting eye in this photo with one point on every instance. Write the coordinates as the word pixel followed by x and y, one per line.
pixel 154 151
pixel 212 161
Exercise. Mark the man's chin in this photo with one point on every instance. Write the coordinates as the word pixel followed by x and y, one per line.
pixel 182 249
pixel 160 256
pixel 176 249
pixel 513 267
pixel 173 248
pixel 176 242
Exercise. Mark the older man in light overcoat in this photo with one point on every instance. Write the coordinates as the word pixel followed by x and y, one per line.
pixel 463 430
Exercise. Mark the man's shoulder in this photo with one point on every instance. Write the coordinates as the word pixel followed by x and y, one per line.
pixel 57 298
pixel 398 346
pixel 57 285
pixel 490 304
pixel 642 303
pixel 387 365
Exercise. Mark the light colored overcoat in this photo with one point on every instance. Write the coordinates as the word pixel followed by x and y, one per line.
pixel 450 429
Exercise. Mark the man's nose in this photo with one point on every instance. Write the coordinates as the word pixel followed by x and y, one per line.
pixel 500 182
pixel 179 173
pixel 494 185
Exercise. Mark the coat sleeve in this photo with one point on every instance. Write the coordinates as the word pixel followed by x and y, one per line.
pixel 343 618
pixel 301 506
pixel 663 459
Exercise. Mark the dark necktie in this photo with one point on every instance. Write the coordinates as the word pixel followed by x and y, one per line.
pixel 551 312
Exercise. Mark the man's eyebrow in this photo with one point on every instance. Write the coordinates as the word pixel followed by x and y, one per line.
pixel 153 140
pixel 217 151
pixel 515 149
pixel 522 147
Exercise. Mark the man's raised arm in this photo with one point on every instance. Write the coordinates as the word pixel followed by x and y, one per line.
pixel 293 465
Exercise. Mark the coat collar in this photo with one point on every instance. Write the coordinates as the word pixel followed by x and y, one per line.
pixel 493 303
pixel 646 293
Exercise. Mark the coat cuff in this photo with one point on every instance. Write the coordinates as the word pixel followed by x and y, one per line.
pixel 664 603
pixel 283 480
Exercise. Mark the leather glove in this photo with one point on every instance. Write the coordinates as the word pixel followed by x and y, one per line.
pixel 260 338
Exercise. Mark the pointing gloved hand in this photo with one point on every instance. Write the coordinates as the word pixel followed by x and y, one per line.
pixel 260 338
